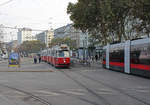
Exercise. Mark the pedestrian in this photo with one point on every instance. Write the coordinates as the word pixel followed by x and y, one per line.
pixel 96 57
pixel 39 59
pixel 35 59
pixel 92 59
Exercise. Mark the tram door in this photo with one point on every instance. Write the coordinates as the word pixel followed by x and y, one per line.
pixel 127 57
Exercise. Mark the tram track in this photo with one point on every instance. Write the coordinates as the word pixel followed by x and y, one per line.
pixel 112 87
pixel 39 99
pixel 102 99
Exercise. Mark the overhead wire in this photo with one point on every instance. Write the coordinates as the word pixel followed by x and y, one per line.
pixel 7 2
pixel 21 28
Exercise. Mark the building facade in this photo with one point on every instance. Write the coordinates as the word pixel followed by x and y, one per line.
pixel 2 33
pixel 82 39
pixel 69 31
pixel 3 50
pixel 45 37
pixel 59 32
pixel 25 34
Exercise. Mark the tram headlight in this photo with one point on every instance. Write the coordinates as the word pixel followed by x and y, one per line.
pixel 64 60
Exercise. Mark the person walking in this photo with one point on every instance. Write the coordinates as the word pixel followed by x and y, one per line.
pixel 92 59
pixel 39 59
pixel 96 57
pixel 35 59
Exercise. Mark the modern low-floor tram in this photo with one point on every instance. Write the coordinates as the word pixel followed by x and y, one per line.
pixel 132 57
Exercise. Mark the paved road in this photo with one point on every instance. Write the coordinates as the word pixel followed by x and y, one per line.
pixel 42 84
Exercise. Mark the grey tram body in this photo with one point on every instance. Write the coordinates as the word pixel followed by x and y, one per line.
pixel 129 50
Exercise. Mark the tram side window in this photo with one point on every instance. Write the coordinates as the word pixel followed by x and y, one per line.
pixel 117 56
pixel 55 53
pixel 140 55
pixel 104 55
pixel 135 57
pixel 52 52
pixel 48 53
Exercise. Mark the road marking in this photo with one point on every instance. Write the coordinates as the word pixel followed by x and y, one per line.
pixel 90 70
pixel 71 92
pixel 79 90
pixel 139 89
pixel 12 92
pixel 105 91
pixel 16 96
pixel 48 93
pixel 20 93
pixel 143 91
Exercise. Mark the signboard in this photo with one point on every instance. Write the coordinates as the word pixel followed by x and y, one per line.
pixel 14 60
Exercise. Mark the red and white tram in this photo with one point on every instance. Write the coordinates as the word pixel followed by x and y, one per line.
pixel 58 56
pixel 131 57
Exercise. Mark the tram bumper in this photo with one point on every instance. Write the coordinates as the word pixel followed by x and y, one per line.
pixel 63 65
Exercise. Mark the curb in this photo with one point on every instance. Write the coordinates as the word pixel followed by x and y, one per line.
pixel 28 71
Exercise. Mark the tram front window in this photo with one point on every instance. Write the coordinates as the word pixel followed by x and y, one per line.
pixel 63 54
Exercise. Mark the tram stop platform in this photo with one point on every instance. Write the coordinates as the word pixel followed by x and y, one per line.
pixel 26 65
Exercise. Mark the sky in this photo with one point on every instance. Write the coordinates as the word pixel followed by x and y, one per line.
pixel 39 14
pixel 35 14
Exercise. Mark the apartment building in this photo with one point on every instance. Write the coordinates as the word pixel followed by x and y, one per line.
pixel 82 39
pixel 25 34
pixel 45 37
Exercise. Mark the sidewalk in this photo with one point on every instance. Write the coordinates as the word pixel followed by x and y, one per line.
pixel 3 61
pixel 26 65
